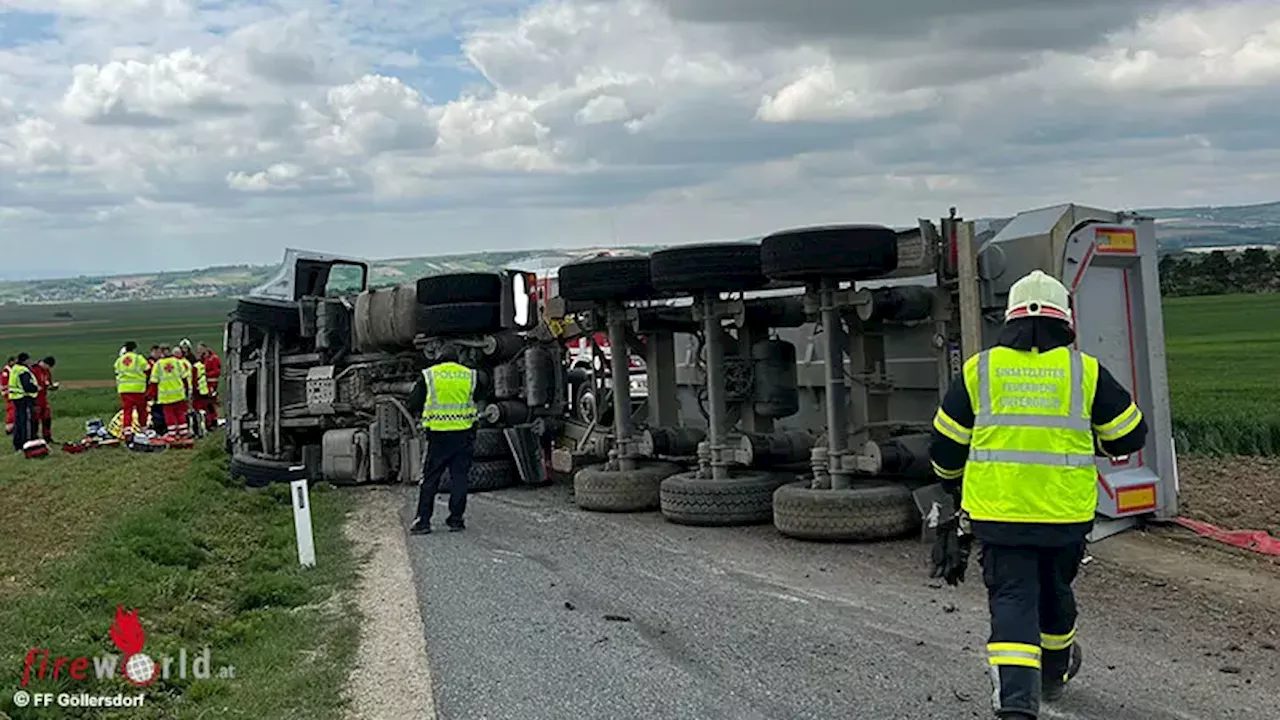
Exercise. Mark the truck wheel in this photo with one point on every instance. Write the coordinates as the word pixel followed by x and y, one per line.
pixel 743 500
pixel 600 490
pixel 846 252
pixel 259 472
pixel 485 475
pixel 587 406
pixel 460 288
pixel 491 443
pixel 280 316
pixel 475 318
pixel 719 267
pixel 606 278
pixel 872 510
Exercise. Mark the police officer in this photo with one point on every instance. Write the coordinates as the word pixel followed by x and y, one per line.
pixel 23 389
pixel 1015 442
pixel 445 396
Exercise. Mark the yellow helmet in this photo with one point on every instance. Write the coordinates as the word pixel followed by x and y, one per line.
pixel 1038 295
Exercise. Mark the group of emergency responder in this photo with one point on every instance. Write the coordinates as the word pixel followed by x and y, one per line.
pixel 180 383
pixel 25 386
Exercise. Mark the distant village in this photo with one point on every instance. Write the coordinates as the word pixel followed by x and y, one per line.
pixel 233 281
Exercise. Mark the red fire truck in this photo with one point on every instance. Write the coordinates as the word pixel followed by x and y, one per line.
pixel 587 359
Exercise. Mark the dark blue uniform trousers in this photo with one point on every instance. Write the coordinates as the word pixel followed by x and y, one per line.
pixel 452 451
pixel 1033 620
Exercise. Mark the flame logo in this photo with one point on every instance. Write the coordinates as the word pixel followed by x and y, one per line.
pixel 128 636
pixel 126 631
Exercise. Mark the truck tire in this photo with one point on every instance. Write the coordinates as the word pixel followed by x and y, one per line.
pixel 454 288
pixel 485 475
pixel 602 279
pixel 259 472
pixel 279 316
pixel 707 267
pixel 599 490
pixel 871 510
pixel 474 318
pixel 743 500
pixel 491 443
pixel 844 252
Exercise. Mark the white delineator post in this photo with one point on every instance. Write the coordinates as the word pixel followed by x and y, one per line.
pixel 302 523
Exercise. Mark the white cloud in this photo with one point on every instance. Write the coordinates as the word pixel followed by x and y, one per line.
pixel 133 92
pixel 640 119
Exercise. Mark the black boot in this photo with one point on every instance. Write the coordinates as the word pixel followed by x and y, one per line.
pixel 420 527
pixel 1053 688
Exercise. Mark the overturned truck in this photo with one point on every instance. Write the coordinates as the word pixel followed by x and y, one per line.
pixel 320 373
pixel 793 380
pixel 790 380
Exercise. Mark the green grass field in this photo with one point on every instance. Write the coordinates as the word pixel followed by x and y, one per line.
pixel 84 338
pixel 205 562
pixel 202 559
pixel 1224 373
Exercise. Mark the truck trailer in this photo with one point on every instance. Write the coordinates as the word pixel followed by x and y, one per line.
pixel 788 380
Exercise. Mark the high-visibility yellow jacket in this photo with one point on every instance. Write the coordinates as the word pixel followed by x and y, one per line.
pixel 1027 426
pixel 167 375
pixel 16 391
pixel 131 373
pixel 186 373
pixel 201 379
pixel 449 406
pixel 1031 455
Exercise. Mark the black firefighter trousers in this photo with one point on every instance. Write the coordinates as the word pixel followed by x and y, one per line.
pixel 24 423
pixel 1033 620
pixel 452 451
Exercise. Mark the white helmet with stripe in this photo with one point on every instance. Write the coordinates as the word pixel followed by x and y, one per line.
pixel 1038 295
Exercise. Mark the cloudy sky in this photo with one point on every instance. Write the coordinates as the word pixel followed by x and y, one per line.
pixel 150 134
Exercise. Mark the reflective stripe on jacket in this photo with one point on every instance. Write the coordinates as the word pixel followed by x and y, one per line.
pixel 1031 453
pixel 167 375
pixel 131 373
pixel 202 379
pixel 16 390
pixel 449 405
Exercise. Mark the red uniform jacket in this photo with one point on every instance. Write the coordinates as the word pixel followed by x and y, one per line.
pixel 212 366
pixel 44 378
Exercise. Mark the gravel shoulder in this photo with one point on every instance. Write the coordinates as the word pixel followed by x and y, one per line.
pixel 540 610
pixel 391 679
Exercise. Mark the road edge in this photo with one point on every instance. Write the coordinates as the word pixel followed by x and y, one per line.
pixel 391 677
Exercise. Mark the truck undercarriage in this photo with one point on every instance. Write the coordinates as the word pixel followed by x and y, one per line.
pixel 790 381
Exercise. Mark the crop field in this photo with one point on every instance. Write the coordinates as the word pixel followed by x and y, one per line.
pixel 1224 373
pixel 84 338
pixel 1223 354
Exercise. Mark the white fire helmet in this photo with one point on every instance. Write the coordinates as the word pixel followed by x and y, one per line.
pixel 1038 295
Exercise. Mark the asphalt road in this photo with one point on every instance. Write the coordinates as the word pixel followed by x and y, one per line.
pixel 541 611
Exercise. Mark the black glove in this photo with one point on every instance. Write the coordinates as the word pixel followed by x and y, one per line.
pixel 951 549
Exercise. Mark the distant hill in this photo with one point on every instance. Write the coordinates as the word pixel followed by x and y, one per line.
pixel 233 280
pixel 1179 229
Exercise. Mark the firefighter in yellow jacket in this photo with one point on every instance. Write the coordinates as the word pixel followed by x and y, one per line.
pixel 1015 442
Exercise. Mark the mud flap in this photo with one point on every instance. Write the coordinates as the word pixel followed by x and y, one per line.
pixel 527 452
pixel 935 505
